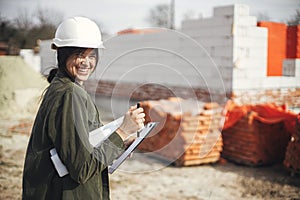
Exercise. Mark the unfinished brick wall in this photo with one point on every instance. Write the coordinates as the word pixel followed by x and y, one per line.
pixel 288 96
pixel 137 91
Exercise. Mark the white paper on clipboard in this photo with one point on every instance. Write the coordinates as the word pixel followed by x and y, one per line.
pixel 97 136
pixel 142 135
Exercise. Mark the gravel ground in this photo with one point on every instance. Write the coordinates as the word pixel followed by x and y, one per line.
pixel 136 180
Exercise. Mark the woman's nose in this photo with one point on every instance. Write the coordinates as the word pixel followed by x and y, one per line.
pixel 85 62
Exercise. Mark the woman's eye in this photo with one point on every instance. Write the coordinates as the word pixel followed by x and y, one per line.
pixel 92 58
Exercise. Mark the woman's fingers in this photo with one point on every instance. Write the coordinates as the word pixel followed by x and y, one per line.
pixel 137 111
pixel 132 108
pixel 138 114
pixel 134 120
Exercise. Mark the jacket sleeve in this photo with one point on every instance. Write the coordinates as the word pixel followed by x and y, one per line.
pixel 70 131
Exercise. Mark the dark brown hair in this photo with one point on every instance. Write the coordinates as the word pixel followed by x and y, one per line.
pixel 63 53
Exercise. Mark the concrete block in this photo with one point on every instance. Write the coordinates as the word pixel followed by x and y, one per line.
pixel 247 52
pixel 244 20
pixel 226 72
pixel 243 41
pixel 226 51
pixel 222 61
pixel 214 31
pixel 251 63
pixel 232 10
pixel 195 24
pixel 248 73
pixel 260 32
pixel 280 82
pixel 250 83
pixel 291 67
pixel 208 41
pixel 233 30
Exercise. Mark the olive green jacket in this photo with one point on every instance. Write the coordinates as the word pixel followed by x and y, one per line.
pixel 66 116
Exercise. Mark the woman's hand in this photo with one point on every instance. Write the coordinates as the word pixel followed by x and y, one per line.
pixel 133 121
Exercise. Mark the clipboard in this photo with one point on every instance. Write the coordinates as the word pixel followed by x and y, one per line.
pixel 142 135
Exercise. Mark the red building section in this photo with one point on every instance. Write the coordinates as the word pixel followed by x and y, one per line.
pixel 293 42
pixel 277 40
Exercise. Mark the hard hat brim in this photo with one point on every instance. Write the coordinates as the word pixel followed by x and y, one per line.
pixel 56 45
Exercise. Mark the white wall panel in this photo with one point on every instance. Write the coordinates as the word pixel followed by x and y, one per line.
pixel 202 23
pixel 250 31
pixel 236 10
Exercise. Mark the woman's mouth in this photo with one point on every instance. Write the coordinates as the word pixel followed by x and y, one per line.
pixel 83 71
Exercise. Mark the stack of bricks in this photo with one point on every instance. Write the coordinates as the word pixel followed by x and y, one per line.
pixel 252 138
pixel 292 156
pixel 188 132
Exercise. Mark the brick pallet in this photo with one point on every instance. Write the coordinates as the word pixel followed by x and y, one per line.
pixel 255 139
pixel 292 156
pixel 186 135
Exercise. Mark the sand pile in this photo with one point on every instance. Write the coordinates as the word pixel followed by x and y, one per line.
pixel 20 87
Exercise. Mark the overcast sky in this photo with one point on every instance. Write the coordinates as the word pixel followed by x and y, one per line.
pixel 115 15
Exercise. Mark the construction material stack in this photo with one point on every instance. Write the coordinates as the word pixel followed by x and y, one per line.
pixel 257 135
pixel 292 156
pixel 234 42
pixel 188 132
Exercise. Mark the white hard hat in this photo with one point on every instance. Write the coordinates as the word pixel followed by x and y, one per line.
pixel 78 32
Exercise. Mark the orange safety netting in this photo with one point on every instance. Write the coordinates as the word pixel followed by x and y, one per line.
pixel 265 113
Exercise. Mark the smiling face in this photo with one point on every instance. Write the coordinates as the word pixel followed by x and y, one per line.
pixel 82 65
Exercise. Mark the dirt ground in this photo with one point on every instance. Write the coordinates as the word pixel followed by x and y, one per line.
pixel 144 177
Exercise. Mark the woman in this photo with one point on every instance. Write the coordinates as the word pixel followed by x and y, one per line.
pixel 66 116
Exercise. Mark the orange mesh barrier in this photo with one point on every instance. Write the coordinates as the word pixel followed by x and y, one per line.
pixel 257 134
pixel 266 113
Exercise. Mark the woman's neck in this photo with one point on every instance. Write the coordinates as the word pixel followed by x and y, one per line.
pixel 79 81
